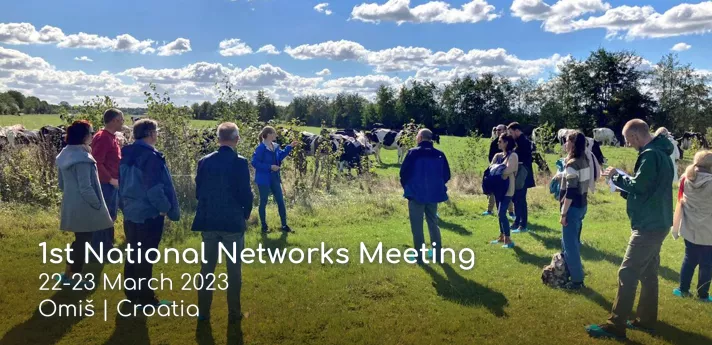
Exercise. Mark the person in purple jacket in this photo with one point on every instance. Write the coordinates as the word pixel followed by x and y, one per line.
pixel 267 160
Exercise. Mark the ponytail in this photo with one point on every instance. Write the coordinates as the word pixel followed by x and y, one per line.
pixel 266 131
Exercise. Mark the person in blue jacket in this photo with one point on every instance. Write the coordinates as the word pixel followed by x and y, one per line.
pixel 267 160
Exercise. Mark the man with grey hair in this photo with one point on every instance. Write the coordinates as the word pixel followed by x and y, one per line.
pixel 222 187
pixel 423 175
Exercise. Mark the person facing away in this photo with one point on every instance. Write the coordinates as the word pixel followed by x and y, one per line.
pixel 494 149
pixel 147 194
pixel 508 157
pixel 695 226
pixel 267 160
pixel 222 187
pixel 577 178
pixel 106 151
pixel 423 175
pixel 83 210
pixel 675 155
pixel 648 192
pixel 524 152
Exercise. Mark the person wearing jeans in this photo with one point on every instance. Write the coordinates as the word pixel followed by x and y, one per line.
pixel 506 145
pixel 423 175
pixel 577 177
pixel 494 149
pixel 648 194
pixel 222 187
pixel 695 226
pixel 524 153
pixel 267 160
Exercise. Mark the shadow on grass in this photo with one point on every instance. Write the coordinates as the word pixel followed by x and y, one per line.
pixel 529 258
pixel 593 254
pixel 456 288
pixel 279 243
pixel 40 330
pixel 129 330
pixel 386 165
pixel 674 335
pixel 456 228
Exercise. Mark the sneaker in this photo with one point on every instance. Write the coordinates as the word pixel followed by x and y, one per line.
pixel 287 229
pixel 487 213
pixel 605 331
pixel 637 326
pixel 520 230
pixel 573 286
pixel 509 245
pixel 679 293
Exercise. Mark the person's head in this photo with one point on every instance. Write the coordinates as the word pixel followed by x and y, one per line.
pixel 662 130
pixel 575 145
pixel 228 134
pixel 515 130
pixel 113 119
pixel 499 130
pixel 268 133
pixel 424 135
pixel 79 133
pixel 506 142
pixel 637 133
pixel 146 130
pixel 701 163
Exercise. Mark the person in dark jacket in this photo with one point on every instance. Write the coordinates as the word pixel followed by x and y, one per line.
pixel 648 193
pixel 267 160
pixel 423 175
pixel 147 194
pixel 494 149
pixel 222 187
pixel 524 152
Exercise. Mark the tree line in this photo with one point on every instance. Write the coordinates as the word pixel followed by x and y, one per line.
pixel 15 102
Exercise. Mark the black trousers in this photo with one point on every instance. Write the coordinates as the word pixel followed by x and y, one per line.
pixel 78 248
pixel 149 235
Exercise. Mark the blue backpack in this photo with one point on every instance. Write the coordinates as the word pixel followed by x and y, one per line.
pixel 492 182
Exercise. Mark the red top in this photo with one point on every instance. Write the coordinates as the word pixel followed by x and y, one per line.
pixel 107 153
pixel 682 189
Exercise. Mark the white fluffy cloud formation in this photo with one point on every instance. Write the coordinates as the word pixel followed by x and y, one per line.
pixel 399 11
pixel 629 21
pixel 26 33
pixel 268 49
pixel 680 47
pixel 177 47
pixel 234 47
pixel 324 72
pixel 83 58
pixel 322 8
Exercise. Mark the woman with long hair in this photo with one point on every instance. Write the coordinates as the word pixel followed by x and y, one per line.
pixel 695 226
pixel 267 160
pixel 83 208
pixel 508 157
pixel 573 196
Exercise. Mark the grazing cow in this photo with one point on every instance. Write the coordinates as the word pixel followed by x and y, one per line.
pixel 135 118
pixel 605 136
pixel 562 134
pixel 354 149
pixel 347 132
pixel 596 150
pixel 688 137
pixel 387 139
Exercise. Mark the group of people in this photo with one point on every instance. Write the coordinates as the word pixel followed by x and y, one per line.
pixel 96 176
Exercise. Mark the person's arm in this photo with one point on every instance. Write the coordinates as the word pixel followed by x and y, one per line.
pixel 644 179
pixel 153 183
pixel 406 168
pixel 257 163
pixel 681 191
pixel 198 182
pixel 244 189
pixel 100 146
pixel 282 154
pixel 84 178
pixel 446 169
pixel 512 164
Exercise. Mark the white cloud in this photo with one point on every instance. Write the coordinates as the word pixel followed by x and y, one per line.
pixel 322 8
pixel 11 59
pixel 269 49
pixel 324 72
pixel 25 33
pixel 399 11
pixel 177 47
pixel 234 47
pixel 333 50
pixel 681 47
pixel 83 58
pixel 634 21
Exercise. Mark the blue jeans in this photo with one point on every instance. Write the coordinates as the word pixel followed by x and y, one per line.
pixel 274 188
pixel 416 211
pixel 696 254
pixel 520 209
pixel 571 242
pixel 212 239
pixel 106 236
pixel 502 202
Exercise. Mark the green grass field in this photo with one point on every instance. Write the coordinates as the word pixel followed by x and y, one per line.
pixel 500 301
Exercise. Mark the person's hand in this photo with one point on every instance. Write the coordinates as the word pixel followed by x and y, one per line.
pixel 563 220
pixel 114 182
pixel 294 143
pixel 610 171
pixel 275 168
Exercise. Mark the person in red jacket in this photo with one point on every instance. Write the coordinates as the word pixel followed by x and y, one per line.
pixel 107 153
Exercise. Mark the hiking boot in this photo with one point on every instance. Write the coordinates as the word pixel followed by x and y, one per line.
pixel 679 293
pixel 605 331
pixel 637 326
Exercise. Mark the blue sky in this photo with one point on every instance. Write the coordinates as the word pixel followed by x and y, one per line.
pixel 516 38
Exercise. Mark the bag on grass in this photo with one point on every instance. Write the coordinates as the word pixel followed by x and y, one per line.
pixel 556 274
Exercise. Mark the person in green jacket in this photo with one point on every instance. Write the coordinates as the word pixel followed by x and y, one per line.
pixel 649 205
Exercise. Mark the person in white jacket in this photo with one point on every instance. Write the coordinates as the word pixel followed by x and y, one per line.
pixel 693 221
pixel 675 156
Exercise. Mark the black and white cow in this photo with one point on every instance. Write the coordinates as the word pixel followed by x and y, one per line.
pixel 605 136
pixel 688 137
pixel 354 148
pixel 387 139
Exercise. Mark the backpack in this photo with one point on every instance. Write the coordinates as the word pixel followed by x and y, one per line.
pixel 556 274
pixel 555 183
pixel 492 182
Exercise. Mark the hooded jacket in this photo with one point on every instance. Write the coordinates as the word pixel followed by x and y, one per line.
pixel 696 225
pixel 83 206
pixel 649 190
pixel 145 184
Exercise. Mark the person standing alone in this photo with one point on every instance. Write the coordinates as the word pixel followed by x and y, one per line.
pixel 107 153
